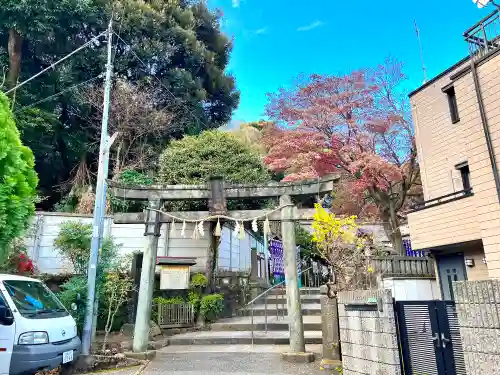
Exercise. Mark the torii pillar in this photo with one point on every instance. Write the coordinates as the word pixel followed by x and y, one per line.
pixel 295 322
pixel 144 303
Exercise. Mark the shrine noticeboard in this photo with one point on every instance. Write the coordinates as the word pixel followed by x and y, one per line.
pixel 174 277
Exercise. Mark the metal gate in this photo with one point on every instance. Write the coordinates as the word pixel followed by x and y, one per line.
pixel 430 338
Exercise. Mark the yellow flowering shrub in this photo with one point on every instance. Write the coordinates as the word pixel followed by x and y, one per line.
pixel 340 246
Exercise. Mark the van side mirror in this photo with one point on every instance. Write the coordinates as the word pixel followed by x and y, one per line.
pixel 6 317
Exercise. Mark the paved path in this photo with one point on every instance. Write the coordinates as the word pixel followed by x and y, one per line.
pixel 227 363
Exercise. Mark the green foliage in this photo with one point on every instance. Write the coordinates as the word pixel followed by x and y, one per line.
pixel 304 239
pixel 194 159
pixel 70 291
pixel 181 39
pixel 194 299
pixel 18 181
pixel 73 241
pixel 133 178
pixel 211 306
pixel 198 281
pixel 115 294
pixel 167 301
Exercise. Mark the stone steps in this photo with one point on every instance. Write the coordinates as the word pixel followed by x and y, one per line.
pixel 241 337
pixel 238 330
pixel 311 323
pixel 280 310
pixel 303 291
pixel 280 299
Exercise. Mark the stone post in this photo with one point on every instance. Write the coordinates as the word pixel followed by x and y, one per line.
pixel 330 328
pixel 294 308
pixel 144 304
pixel 254 264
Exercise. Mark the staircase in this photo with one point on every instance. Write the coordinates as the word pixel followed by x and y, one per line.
pixel 238 330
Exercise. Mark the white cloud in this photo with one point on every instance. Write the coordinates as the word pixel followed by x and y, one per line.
pixel 236 3
pixel 311 26
pixel 261 31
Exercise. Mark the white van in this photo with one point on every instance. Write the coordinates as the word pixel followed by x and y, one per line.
pixel 36 331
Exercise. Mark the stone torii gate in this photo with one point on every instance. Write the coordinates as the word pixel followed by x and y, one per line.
pixel 217 193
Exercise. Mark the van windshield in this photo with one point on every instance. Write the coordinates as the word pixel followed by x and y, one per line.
pixel 34 300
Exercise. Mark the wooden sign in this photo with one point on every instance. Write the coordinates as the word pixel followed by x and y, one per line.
pixel 174 277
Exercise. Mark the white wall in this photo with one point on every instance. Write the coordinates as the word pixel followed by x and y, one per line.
pixel 412 289
pixel 234 254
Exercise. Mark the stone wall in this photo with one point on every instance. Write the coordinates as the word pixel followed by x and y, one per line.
pixel 369 343
pixel 478 310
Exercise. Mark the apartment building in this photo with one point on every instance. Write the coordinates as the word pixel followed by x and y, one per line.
pixel 457 128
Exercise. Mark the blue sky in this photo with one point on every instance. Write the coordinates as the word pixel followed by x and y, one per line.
pixel 276 40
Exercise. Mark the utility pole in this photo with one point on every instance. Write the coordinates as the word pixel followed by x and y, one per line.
pixel 100 202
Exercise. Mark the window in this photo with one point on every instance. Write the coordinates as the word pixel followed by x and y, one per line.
pixel 34 300
pixel 452 102
pixel 465 174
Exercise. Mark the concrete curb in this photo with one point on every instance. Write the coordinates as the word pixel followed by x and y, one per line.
pixel 298 357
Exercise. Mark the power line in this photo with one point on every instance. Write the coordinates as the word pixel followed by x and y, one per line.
pixel 57 62
pixel 60 93
pixel 161 83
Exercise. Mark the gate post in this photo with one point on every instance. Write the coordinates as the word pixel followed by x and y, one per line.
pixel 330 329
pixel 294 308
pixel 144 304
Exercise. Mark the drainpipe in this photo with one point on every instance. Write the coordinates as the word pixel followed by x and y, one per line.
pixel 486 128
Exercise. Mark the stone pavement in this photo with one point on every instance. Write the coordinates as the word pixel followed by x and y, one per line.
pixel 224 360
pixel 227 360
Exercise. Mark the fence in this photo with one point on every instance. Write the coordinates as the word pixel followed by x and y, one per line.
pixel 404 266
pixel 176 315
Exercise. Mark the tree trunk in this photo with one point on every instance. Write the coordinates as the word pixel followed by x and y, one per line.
pixel 397 240
pixel 212 257
pixel 116 169
pixel 15 45
pixel 391 228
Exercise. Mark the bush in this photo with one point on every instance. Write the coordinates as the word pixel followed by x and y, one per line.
pixel 70 290
pixel 198 281
pixel 211 306
pixel 167 301
pixel 18 181
pixel 194 299
pixel 17 260
pixel 73 242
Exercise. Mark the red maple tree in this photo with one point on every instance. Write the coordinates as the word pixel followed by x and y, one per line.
pixel 356 125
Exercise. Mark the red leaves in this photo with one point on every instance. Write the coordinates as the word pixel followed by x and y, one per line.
pixel 25 265
pixel 352 123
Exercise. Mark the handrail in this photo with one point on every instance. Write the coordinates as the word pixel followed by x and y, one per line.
pixel 275 286
pixel 265 294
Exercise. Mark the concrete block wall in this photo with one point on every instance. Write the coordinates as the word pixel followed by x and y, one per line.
pixel 369 342
pixel 478 310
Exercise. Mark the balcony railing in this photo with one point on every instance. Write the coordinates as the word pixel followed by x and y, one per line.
pixel 484 36
pixel 444 199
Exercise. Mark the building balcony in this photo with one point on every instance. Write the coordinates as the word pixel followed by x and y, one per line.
pixel 447 220
pixel 484 37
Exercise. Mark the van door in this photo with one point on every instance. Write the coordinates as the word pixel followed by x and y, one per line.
pixel 7 334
